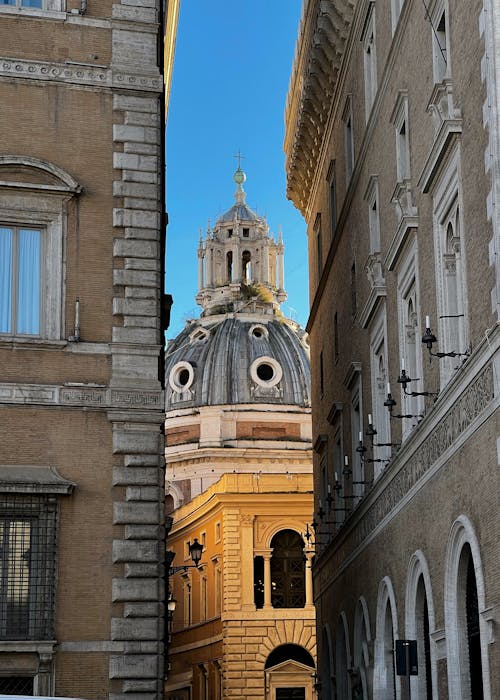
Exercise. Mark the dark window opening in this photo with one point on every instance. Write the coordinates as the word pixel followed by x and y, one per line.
pixel 287 570
pixel 16 685
pixel 246 232
pixel 230 233
pixel 258 581
pixel 27 567
pixel 245 265
pixel 427 652
pixel 229 260
pixel 290 693
pixel 183 377
pixel 265 372
pixel 473 633
pixel 289 652
pixel 354 293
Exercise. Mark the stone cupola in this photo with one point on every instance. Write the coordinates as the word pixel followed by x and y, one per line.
pixel 240 264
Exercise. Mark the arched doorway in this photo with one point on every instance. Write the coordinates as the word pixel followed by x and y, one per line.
pixel 290 673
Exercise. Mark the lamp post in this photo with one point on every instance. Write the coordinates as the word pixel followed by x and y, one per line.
pixel 195 552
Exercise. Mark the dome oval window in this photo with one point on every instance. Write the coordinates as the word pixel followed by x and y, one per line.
pixel 258 332
pixel 181 376
pixel 266 372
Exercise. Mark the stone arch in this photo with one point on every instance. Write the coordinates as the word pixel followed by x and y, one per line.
pixel 173 490
pixel 327 668
pixel 342 658
pixel 361 646
pixel 386 685
pixel 463 540
pixel 418 585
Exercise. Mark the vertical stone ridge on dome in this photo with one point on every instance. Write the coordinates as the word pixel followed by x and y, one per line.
pixel 240 263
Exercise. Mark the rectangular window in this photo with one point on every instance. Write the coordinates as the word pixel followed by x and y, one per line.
pixel 20 280
pixel 380 380
pixel 246 232
pixel 348 140
pixel 399 118
pixel 354 292
pixel 371 197
pixel 356 429
pixel 52 5
pixel 204 599
pixel 332 181
pixel 439 23
pixel 217 531
pixel 27 567
pixel 218 590
pixel 370 60
pixel 23 3
pixel 319 246
pixel 336 338
pixel 321 374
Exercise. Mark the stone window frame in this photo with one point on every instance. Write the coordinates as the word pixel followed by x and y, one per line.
pixel 462 533
pixel 44 206
pixel 385 599
pixel 327 668
pixel 174 374
pixel 369 41
pixel 408 287
pixel 396 8
pixel 372 198
pixel 400 120
pixel 362 644
pixel 378 347
pixel 262 360
pixel 440 9
pixel 349 157
pixel 447 203
pixel 342 656
pixel 419 569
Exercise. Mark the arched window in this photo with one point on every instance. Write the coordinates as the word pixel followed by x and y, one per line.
pixel 342 660
pixel 327 669
pixel 385 683
pixel 473 633
pixel 419 625
pixel 362 675
pixel 466 630
pixel 287 570
pixel 229 261
pixel 246 266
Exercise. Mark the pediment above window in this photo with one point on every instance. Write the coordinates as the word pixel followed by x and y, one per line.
pixel 33 479
pixel 28 173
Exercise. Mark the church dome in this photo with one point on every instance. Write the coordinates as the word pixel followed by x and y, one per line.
pixel 240 212
pixel 238 359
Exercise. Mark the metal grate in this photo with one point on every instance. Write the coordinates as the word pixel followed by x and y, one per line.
pixel 16 685
pixel 27 561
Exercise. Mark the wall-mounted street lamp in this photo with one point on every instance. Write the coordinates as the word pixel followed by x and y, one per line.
pixel 195 552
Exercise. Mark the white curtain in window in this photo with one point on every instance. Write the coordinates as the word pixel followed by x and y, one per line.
pixel 6 235
pixel 28 297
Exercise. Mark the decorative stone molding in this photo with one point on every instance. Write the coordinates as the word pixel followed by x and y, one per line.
pixel 409 469
pixel 78 74
pixel 375 273
pixel 447 122
pixel 80 395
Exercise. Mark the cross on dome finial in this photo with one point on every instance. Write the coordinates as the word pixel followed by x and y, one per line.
pixel 239 177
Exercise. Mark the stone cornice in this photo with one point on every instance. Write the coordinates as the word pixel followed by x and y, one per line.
pixel 79 74
pixel 322 39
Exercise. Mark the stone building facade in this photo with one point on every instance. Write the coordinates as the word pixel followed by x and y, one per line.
pixel 239 481
pixel 81 346
pixel 392 156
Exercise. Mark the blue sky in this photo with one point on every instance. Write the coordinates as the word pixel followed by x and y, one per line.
pixel 232 66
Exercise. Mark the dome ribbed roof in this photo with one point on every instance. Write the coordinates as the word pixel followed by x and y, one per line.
pixel 238 361
pixel 239 211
